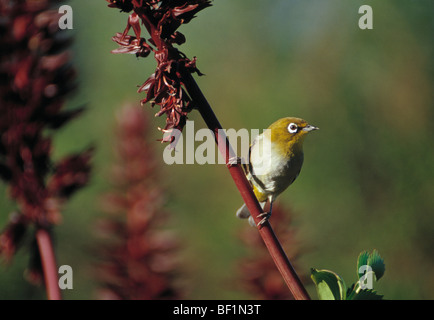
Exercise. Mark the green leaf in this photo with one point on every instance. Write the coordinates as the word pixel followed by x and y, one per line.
pixel 365 295
pixel 372 260
pixel 377 264
pixel 362 260
pixel 329 285
pixel 351 291
pixel 355 293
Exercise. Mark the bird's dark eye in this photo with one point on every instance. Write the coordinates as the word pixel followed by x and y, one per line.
pixel 292 128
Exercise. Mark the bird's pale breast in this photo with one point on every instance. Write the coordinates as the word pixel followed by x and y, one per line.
pixel 272 171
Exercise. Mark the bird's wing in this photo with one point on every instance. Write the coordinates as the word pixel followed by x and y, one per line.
pixel 248 166
pixel 257 143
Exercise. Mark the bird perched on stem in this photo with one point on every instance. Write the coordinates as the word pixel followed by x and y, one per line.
pixel 275 160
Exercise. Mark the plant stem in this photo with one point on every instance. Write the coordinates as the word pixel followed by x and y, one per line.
pixel 48 264
pixel 199 101
pixel 273 245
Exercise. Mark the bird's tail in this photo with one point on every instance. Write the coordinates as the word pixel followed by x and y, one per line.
pixel 243 212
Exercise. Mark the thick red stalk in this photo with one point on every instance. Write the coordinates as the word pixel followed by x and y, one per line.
pixel 199 101
pixel 49 266
pixel 276 251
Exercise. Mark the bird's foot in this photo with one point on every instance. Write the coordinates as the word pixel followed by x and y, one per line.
pixel 233 161
pixel 265 216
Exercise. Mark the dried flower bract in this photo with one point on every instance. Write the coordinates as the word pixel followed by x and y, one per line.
pixel 165 86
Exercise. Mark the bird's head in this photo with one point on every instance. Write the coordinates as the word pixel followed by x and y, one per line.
pixel 289 133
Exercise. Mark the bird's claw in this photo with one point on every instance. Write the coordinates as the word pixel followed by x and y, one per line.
pixel 233 161
pixel 265 216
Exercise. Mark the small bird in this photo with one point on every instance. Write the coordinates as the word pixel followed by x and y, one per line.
pixel 275 160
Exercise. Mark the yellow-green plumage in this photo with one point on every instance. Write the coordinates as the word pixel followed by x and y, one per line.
pixel 275 159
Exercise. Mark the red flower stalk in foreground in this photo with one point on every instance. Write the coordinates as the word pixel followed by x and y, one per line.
pixel 35 77
pixel 258 274
pixel 161 18
pixel 138 255
pixel 174 89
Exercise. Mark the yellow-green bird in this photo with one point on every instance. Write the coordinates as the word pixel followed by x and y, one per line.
pixel 275 160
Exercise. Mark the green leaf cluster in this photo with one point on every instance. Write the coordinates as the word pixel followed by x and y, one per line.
pixel 331 286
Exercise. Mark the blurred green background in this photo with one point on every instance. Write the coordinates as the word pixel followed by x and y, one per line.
pixel 368 176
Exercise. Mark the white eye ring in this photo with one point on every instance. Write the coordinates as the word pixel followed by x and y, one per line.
pixel 292 128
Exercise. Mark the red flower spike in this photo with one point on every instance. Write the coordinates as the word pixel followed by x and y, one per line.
pixel 138 257
pixel 162 19
pixel 36 76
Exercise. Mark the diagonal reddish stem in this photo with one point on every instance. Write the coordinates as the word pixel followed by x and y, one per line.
pixel 273 245
pixel 49 266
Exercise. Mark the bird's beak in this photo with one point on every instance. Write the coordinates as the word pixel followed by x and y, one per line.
pixel 310 128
